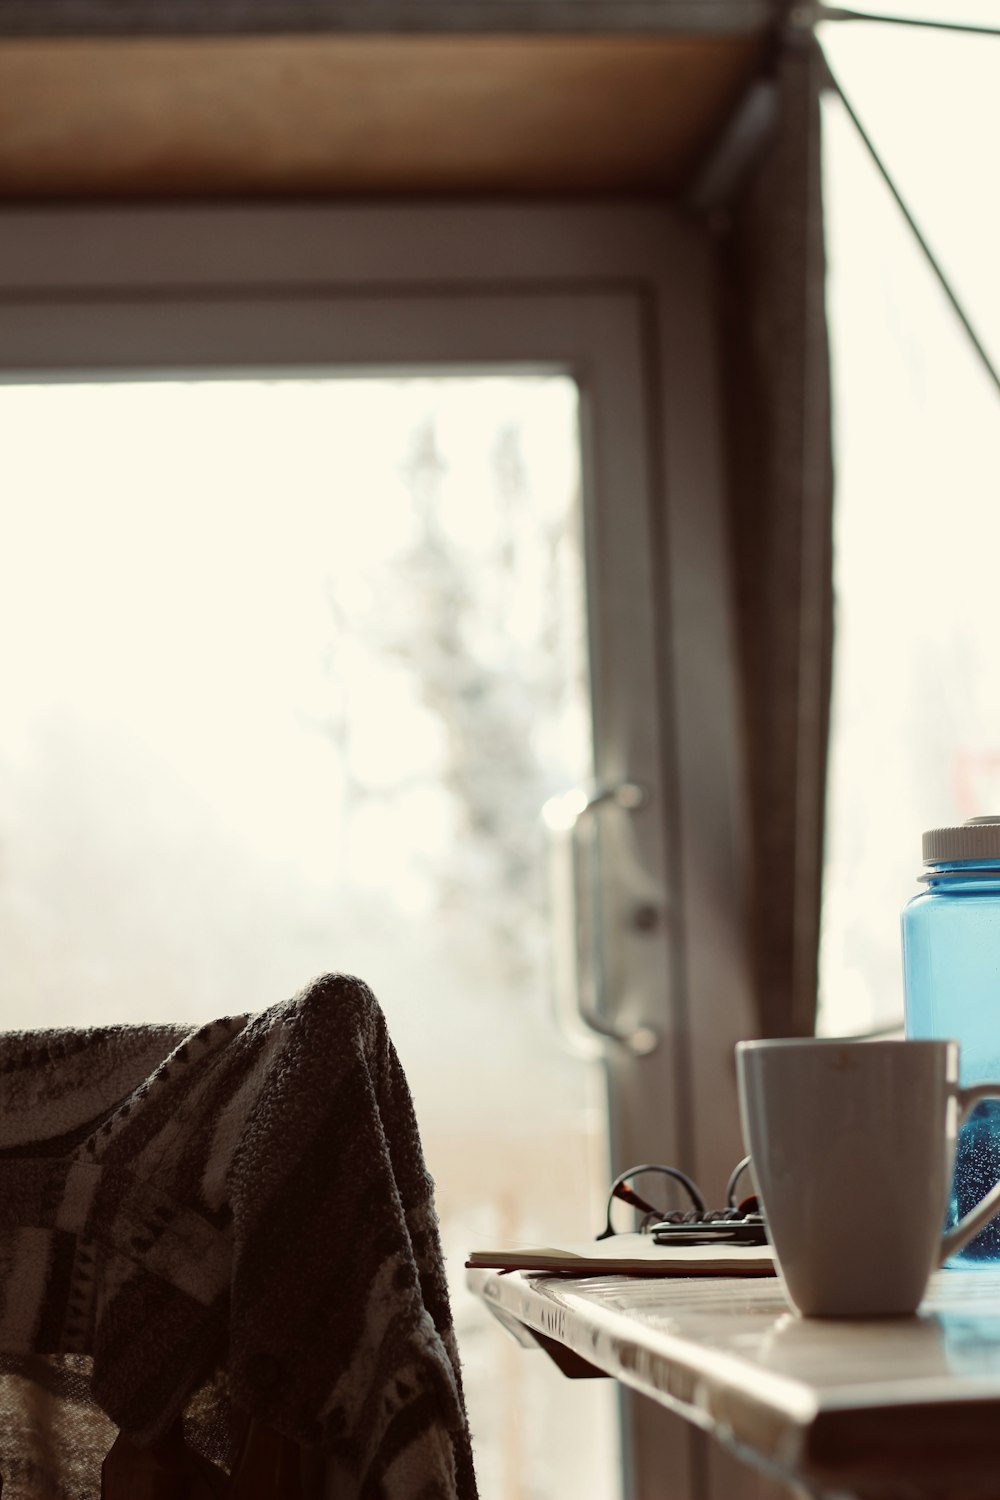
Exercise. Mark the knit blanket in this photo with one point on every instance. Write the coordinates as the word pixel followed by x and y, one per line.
pixel 231 1219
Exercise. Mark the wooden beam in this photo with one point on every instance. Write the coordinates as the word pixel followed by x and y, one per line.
pixel 304 115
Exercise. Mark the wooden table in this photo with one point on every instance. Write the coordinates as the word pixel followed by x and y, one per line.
pixel 883 1409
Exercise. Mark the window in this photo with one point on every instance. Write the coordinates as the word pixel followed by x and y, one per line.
pixel 601 315
pixel 916 709
pixel 287 692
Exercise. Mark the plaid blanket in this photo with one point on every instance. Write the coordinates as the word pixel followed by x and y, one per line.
pixel 232 1219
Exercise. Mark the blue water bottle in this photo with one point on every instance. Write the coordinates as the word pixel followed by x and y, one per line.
pixel 951 984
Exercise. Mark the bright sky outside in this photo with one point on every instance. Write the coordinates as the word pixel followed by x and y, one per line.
pixel 174 671
pixel 916 736
pixel 221 556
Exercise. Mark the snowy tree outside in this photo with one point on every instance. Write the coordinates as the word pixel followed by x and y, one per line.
pixel 289 669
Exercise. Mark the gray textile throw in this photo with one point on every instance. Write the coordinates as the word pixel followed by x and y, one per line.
pixel 232 1219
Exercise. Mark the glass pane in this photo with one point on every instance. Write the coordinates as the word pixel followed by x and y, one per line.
pixel 289 668
pixel 916 712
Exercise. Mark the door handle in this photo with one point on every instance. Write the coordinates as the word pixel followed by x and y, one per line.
pixel 578 988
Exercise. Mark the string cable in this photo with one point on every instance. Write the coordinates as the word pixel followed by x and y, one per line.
pixel 808 16
pixel 932 260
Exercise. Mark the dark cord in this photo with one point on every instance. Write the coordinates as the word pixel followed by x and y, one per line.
pixel 734 1178
pixel 822 12
pixel 621 1191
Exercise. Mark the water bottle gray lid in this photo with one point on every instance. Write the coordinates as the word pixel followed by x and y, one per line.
pixel 979 838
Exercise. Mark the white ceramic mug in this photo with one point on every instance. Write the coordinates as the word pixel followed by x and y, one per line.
pixel 853 1148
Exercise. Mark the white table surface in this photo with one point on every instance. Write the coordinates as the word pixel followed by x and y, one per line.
pixel 882 1408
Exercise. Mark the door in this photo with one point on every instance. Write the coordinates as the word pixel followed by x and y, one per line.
pixel 338 315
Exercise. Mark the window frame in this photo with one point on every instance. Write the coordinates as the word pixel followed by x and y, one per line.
pixel 60 268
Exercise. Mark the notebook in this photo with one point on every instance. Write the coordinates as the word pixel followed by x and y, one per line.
pixel 629 1255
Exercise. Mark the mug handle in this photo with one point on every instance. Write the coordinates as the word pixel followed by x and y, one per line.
pixel 987 1208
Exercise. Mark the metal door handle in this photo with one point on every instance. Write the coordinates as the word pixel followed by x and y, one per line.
pixel 578 994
